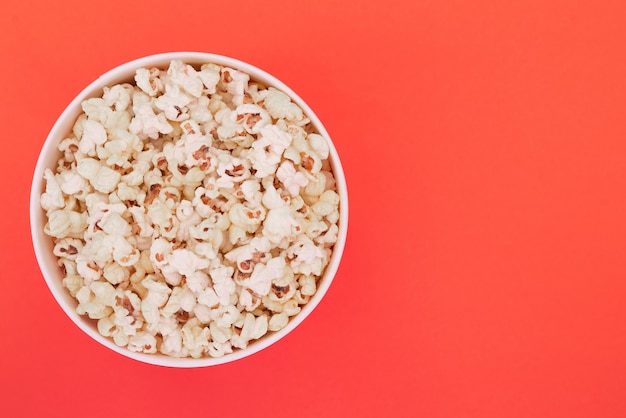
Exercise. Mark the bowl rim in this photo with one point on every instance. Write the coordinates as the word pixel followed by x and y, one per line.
pixel 68 116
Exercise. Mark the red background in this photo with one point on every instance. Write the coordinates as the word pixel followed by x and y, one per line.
pixel 484 145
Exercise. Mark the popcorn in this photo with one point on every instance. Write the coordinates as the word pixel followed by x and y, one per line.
pixel 93 134
pixel 105 180
pixel 252 117
pixel 195 337
pixel 52 198
pixel 267 150
pixel 291 179
pixel 246 218
pixel 59 224
pixel 174 103
pixel 186 262
pixel 193 211
pixel 71 183
pixel 252 329
pixel 210 76
pixel 234 83
pixel 280 106
pixel 279 223
pixel 143 342
pixel 185 76
pixel 231 170
pixel 223 283
pixel 118 96
pixel 225 316
pixel 260 281
pixel 145 122
pixel 115 273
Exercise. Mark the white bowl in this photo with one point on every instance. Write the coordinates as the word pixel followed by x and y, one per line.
pixel 49 156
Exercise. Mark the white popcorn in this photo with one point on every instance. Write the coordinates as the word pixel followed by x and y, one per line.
pixel 174 103
pixel 291 307
pixel 173 305
pixel 114 224
pixel 186 76
pixel 195 337
pixel 220 334
pixel 203 313
pixel 314 188
pixel 231 170
pixel 143 342
pixel 52 198
pixel 291 179
pixel 157 291
pixel 256 249
pixel 120 338
pixel 106 179
pixel 200 113
pixel 93 134
pixel 186 262
pixel 260 281
pixel 306 257
pixel 173 344
pixel 228 126
pixel 277 139
pixel 253 328
pixel 330 237
pixel 251 190
pixel 209 231
pixel 197 281
pixel 103 292
pixel 246 218
pixel 280 106
pixel 223 283
pixel 248 300
pixel 106 326
pixel 72 183
pixel 145 122
pixel 148 80
pixel 118 96
pixel 68 248
pixel 219 349
pixel 252 117
pixel 267 150
pixel 278 321
pixel 208 298
pixel 272 198
pixel 97 110
pixel 135 177
pixel 87 268
pixel 327 203
pixel 88 168
pixel 235 83
pixel 279 223
pixel 95 300
pixel 210 76
pixel 115 273
pixel 162 325
pixel 308 286
pixel 319 145
pixel 160 252
pixel 192 211
pixel 59 224
pixel 225 316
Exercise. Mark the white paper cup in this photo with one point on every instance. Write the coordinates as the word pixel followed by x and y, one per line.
pixel 49 156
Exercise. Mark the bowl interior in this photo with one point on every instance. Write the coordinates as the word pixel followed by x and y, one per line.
pixel 49 156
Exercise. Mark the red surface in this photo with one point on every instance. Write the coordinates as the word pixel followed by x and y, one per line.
pixel 484 144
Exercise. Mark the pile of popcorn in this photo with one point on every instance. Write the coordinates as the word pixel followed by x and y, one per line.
pixel 193 211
